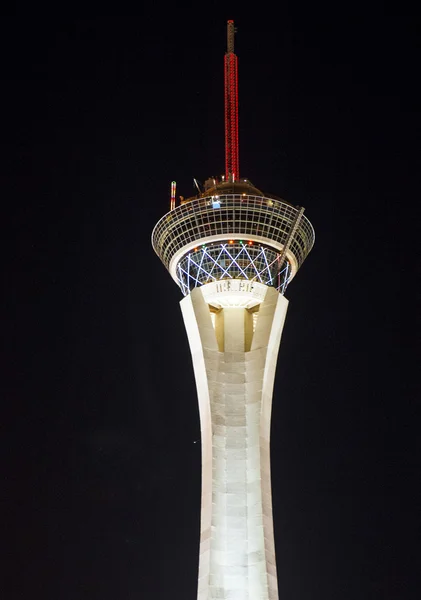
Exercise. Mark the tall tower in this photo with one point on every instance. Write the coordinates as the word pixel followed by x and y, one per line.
pixel 233 250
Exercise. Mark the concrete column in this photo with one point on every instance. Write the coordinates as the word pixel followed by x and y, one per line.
pixel 234 384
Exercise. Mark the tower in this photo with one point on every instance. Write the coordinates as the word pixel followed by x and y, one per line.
pixel 233 250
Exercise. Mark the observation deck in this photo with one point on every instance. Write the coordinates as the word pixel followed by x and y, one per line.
pixel 232 232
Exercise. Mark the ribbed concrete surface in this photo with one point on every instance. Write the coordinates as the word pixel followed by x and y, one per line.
pixel 237 554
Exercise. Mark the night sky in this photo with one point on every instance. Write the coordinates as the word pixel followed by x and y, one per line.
pixel 100 425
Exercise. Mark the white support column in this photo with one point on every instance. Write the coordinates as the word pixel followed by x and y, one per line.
pixel 237 553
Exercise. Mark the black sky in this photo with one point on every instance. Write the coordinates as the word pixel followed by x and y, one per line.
pixel 100 460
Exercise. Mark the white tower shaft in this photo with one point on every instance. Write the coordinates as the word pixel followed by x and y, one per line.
pixel 234 362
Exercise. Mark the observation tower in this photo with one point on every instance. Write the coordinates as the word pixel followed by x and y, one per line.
pixel 233 250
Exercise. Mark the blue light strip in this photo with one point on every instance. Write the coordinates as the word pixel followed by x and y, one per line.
pixel 185 288
pixel 201 262
pixel 220 266
pixel 267 267
pixel 234 261
pixel 200 266
pixel 217 258
pixel 252 263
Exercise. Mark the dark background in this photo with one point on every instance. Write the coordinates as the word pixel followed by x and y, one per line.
pixel 100 457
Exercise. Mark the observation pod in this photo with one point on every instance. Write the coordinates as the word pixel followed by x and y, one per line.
pixel 233 232
pixel 233 251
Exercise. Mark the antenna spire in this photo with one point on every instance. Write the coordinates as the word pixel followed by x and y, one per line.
pixel 232 167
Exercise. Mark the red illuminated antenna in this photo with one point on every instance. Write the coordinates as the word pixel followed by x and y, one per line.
pixel 232 166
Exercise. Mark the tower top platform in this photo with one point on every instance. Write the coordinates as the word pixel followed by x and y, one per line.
pixel 231 232
pixel 214 186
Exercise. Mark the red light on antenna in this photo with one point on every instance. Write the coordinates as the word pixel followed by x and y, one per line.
pixel 231 108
